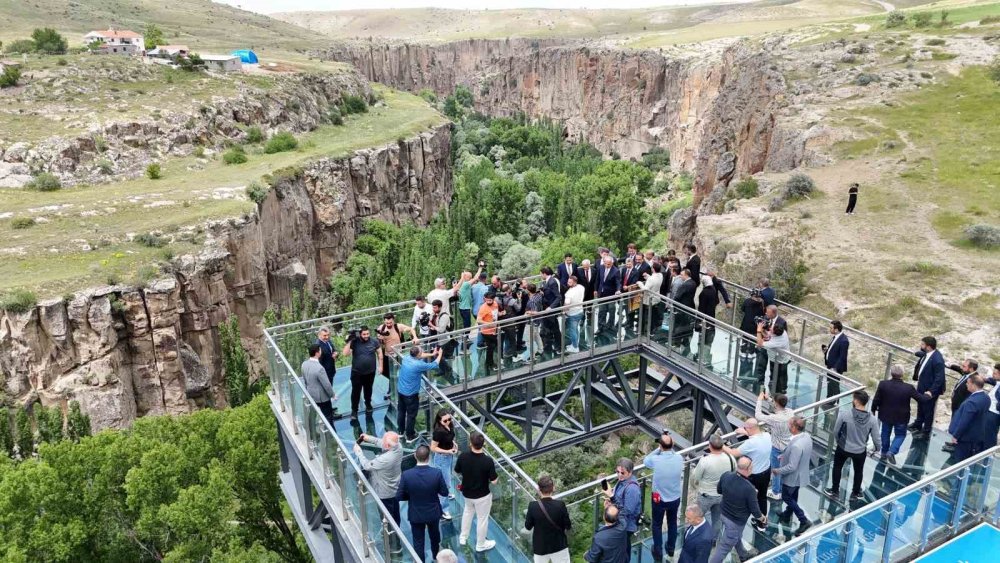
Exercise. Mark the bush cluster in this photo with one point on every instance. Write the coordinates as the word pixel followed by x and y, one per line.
pixel 257 192
pixel 983 236
pixel 44 182
pixel 254 135
pixel 235 155
pixel 22 222
pixel 354 104
pixel 150 240
pixel 154 172
pixel 281 142
pixel 18 301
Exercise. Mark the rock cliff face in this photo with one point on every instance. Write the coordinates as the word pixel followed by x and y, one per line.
pixel 124 352
pixel 717 113
pixel 122 149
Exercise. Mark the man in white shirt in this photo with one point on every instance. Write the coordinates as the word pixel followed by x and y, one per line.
pixel 420 323
pixel 652 304
pixel 574 300
pixel 777 423
pixel 441 293
pixel 777 348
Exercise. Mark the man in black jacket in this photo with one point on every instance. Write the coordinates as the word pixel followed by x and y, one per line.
pixel 549 523
pixel 328 358
pixel 694 261
pixel 892 404
pixel 929 375
pixel 684 324
pixel 961 392
pixel 739 503
pixel 610 543
pixel 552 299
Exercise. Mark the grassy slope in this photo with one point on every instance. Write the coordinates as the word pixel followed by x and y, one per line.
pixel 53 262
pixel 198 23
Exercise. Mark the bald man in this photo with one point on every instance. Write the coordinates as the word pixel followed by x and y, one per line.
pixel 384 469
pixel 757 447
pixel 738 505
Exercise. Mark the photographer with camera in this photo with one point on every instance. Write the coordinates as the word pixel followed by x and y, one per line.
pixel 421 320
pixel 753 309
pixel 440 323
pixel 509 304
pixel 366 355
pixel 390 335
pixel 411 369
pixel 774 343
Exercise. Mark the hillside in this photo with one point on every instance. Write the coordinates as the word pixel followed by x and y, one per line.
pixel 433 24
pixel 197 23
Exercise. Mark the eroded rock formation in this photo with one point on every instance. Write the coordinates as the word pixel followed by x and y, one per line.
pixel 718 106
pixel 124 352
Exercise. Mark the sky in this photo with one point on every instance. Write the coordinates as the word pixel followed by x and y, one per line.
pixel 269 6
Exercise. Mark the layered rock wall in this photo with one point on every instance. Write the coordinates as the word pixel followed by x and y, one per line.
pixel 124 352
pixel 718 107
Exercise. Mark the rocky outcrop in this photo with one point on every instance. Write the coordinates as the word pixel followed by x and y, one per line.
pixel 720 106
pixel 124 352
pixel 122 149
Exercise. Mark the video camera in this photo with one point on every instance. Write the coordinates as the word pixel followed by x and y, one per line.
pixel 763 319
pixel 424 319
pixel 353 334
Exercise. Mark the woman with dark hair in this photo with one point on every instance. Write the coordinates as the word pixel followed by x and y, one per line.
pixel 444 449
pixel 852 198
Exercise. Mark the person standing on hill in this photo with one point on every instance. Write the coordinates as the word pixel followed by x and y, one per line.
pixel 852 198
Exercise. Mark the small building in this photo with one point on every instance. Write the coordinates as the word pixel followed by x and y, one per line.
pixel 116 37
pixel 222 63
pixel 168 51
pixel 116 49
pixel 246 56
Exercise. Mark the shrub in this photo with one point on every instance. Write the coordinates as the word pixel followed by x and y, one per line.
pixel 48 40
pixel 254 135
pixel 44 182
pixel 657 159
pixel 22 222
pixel 235 155
pixel 865 78
pixel 989 20
pixel 257 192
pixel 780 259
pixel 10 76
pixel 799 186
pixel 62 62
pixel 21 46
pixel 199 152
pixel 281 142
pixel 335 116
pixel 18 301
pixel 747 188
pixel 934 42
pixel 994 70
pixel 983 236
pixel 154 171
pixel 428 95
pixel 354 104
pixel 895 19
pixel 150 240
pixel 105 167
pixel 922 19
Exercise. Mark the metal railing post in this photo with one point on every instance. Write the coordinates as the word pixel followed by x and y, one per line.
pixel 963 488
pixel 927 496
pixel 343 491
pixel 363 516
pixel 700 360
pixel 850 539
pixel 890 528
pixel 984 491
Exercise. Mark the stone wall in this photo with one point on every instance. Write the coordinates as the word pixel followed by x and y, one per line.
pixel 124 352
pixel 717 111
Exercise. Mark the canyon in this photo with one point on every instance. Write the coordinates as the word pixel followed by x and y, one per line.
pixel 718 112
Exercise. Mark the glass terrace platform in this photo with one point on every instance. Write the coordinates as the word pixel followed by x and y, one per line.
pixel 686 361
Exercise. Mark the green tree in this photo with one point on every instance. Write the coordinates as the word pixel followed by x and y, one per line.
pixel 235 363
pixel 6 433
pixel 25 433
pixel 153 36
pixel 77 423
pixel 48 40
pixel 10 76
pixel 534 221
pixel 519 260
pixel 463 96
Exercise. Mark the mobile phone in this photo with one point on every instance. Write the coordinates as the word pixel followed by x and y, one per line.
pixel 604 484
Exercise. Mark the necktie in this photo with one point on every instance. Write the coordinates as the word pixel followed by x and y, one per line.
pixel 688 532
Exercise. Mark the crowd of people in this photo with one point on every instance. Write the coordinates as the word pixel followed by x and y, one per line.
pixel 733 484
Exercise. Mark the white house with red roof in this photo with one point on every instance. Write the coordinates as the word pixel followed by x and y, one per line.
pixel 115 37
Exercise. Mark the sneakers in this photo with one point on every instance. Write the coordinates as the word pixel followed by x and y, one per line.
pixel 410 440
pixel 446 515
pixel 486 546
pixel 572 349
pixel 773 495
pixel 857 497
pixel 891 458
pixel 831 492
pixel 462 540
pixel 451 497
pixel 803 526
pixel 354 415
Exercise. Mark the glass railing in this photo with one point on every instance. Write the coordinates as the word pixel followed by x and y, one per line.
pixel 587 500
pixel 339 467
pixel 902 525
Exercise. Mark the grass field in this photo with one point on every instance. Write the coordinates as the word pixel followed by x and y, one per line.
pixel 49 257
pixel 953 126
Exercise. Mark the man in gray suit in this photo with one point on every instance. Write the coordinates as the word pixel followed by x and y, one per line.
pixel 317 383
pixel 794 471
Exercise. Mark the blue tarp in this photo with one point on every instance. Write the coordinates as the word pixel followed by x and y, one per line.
pixel 246 56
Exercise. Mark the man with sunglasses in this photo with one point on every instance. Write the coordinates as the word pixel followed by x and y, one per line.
pixel 627 497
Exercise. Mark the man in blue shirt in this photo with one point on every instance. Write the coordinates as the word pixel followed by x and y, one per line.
pixel 408 386
pixel 627 497
pixel 668 470
pixel 757 447
pixel 479 290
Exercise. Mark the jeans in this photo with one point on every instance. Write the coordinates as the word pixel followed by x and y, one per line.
pixel 480 508
pixel 660 509
pixel 433 530
pixel 839 458
pixel 444 462
pixel 897 442
pixel 732 536
pixel 775 462
pixel 573 330
pixel 790 495
pixel 711 505
pixel 406 415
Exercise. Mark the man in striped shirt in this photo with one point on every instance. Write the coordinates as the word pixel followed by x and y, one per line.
pixel 777 423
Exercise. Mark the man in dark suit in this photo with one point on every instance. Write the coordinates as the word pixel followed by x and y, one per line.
pixel 586 276
pixel 608 283
pixel 697 537
pixel 644 264
pixel 835 356
pixel 767 292
pixel 961 392
pixel 968 425
pixel 684 324
pixel 694 261
pixel 929 375
pixel 328 357
pixel 551 299
pixel 422 486
pixel 892 405
pixel 610 544
pixel 566 269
